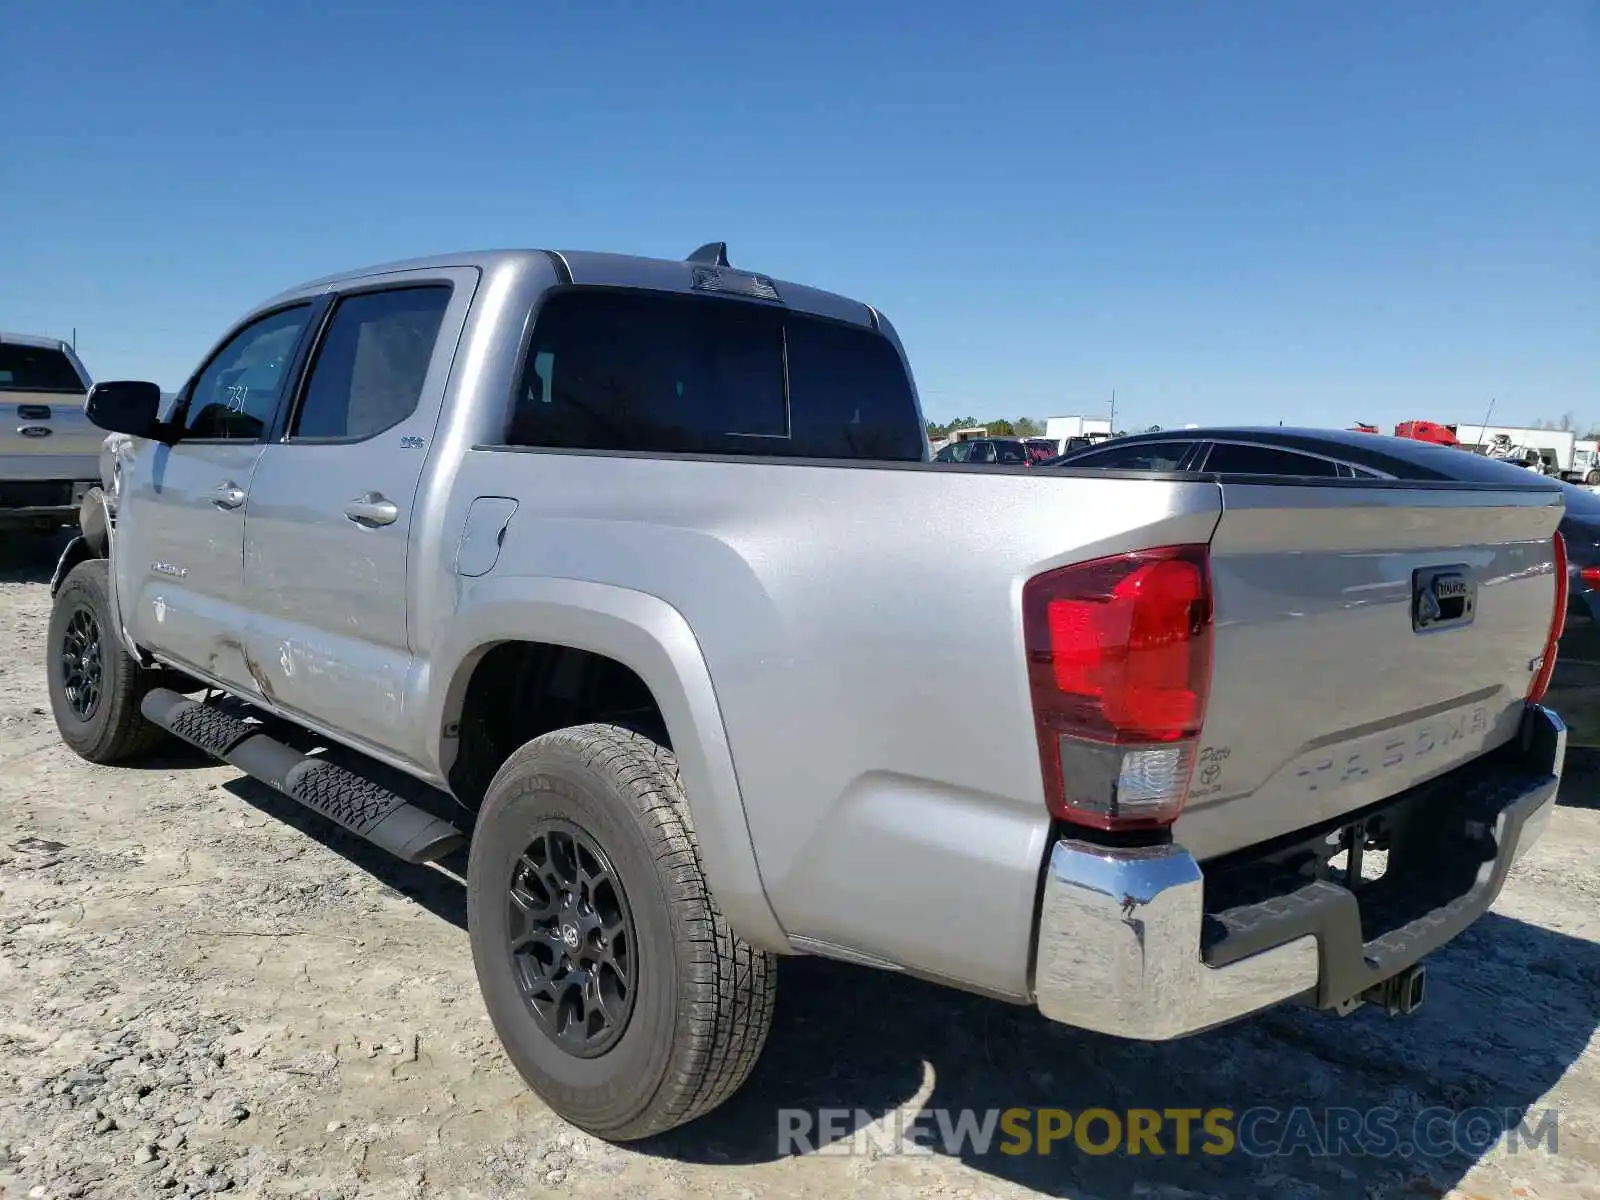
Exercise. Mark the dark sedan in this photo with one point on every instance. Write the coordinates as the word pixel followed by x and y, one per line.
pixel 986 450
pixel 1347 454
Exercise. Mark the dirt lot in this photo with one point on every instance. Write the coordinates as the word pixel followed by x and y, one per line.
pixel 202 990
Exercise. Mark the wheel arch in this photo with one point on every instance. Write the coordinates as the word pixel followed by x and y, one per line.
pixel 94 521
pixel 653 640
pixel 81 548
pixel 78 550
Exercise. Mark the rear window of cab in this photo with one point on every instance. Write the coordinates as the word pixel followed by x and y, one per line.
pixel 658 372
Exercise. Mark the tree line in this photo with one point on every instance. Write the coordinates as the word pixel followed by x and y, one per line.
pixel 1001 427
pixel 1567 423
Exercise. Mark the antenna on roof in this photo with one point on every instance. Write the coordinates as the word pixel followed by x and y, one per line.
pixel 713 254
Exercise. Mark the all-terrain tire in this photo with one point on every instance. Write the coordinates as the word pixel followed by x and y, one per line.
pixel 702 999
pixel 111 729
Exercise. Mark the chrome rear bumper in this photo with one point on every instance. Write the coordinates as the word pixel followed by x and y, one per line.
pixel 1120 930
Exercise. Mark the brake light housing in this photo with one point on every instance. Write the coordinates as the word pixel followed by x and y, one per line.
pixel 1558 625
pixel 1119 670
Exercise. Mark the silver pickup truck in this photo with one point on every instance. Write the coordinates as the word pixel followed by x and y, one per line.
pixel 639 570
pixel 49 452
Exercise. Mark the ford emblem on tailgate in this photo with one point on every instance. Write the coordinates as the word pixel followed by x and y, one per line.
pixel 1441 598
pixel 34 431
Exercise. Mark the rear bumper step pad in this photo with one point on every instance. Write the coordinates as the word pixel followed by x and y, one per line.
pixel 1460 836
pixel 364 807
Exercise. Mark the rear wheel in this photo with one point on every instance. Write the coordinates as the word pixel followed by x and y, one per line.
pixel 95 687
pixel 614 982
pixel 1592 479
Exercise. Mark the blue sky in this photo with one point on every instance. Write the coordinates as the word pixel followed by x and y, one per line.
pixel 1314 213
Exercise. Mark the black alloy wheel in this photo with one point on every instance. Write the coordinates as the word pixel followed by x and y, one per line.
pixel 95 686
pixel 571 939
pixel 80 663
pixel 611 976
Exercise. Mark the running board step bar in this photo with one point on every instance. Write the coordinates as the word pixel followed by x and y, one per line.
pixel 367 809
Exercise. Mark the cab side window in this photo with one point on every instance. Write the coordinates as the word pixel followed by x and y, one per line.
pixel 369 370
pixel 1009 452
pixel 1348 471
pixel 236 396
pixel 1237 458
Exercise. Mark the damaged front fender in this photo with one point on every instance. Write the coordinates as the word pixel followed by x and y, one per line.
pixel 78 550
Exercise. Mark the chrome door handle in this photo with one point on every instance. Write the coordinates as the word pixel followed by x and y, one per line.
pixel 372 510
pixel 228 495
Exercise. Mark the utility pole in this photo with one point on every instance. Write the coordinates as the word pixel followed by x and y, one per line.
pixel 1113 419
pixel 74 339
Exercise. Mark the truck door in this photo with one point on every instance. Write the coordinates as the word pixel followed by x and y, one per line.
pixel 330 529
pixel 180 534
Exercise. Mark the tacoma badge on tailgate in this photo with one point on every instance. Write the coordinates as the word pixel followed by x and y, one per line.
pixel 1441 598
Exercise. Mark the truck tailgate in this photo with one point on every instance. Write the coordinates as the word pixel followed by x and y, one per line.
pixel 45 436
pixel 1329 692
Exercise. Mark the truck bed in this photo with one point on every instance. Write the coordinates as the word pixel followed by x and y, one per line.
pixel 862 628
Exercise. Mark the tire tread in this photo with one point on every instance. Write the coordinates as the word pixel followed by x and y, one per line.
pixel 127 735
pixel 727 995
pixel 734 1014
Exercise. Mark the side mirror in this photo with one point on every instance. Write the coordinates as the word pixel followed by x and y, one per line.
pixel 125 406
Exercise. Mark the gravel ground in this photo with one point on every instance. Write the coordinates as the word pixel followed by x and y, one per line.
pixel 205 990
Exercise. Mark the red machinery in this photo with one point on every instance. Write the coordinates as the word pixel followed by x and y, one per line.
pixel 1427 431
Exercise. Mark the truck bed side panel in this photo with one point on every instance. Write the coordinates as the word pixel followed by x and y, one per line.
pixel 861 626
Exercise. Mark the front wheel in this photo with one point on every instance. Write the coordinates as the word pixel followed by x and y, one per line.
pixel 1592 479
pixel 95 687
pixel 612 979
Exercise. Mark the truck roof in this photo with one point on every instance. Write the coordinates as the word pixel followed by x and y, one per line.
pixel 605 270
pixel 32 339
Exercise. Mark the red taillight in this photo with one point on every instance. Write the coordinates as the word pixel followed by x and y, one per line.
pixel 1590 576
pixel 1119 660
pixel 1558 624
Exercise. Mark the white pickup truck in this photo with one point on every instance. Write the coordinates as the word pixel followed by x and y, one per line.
pixel 49 452
pixel 634 566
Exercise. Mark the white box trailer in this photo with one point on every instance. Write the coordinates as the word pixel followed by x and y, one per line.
pixel 1061 430
pixel 1060 427
pixel 1555 447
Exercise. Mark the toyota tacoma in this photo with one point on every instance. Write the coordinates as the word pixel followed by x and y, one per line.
pixel 631 566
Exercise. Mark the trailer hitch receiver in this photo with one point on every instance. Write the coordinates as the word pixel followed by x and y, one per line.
pixel 1402 994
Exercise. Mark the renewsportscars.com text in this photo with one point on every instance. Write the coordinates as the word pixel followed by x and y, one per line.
pixel 1258 1132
